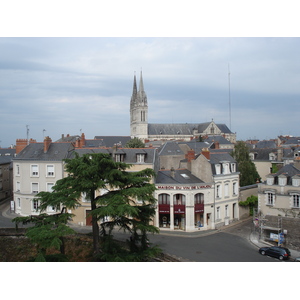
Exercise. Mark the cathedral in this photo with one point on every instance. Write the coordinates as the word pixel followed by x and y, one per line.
pixel 140 128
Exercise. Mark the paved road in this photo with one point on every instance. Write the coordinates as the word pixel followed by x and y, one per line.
pixel 231 244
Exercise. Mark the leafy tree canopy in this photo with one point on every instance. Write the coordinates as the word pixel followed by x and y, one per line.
pixel 247 169
pixel 135 143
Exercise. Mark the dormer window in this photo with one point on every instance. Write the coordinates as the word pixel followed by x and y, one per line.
pixel 140 158
pixel 296 181
pixel 218 169
pixel 270 180
pixel 272 156
pixel 233 168
pixel 282 180
pixel 225 168
pixel 120 157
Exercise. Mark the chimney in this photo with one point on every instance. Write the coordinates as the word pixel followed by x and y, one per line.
pixel 172 172
pixel 217 145
pixel 82 141
pixel 47 142
pixel 206 153
pixel 20 145
pixel 190 155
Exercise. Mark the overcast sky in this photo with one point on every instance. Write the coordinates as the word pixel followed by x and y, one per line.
pixel 73 85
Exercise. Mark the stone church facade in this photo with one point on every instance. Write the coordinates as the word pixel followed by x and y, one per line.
pixel 140 128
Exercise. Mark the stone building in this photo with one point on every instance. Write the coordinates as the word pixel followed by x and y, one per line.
pixel 139 126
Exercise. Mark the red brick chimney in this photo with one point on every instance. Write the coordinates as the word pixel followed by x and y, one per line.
pixel 22 143
pixel 217 145
pixel 47 142
pixel 206 153
pixel 190 155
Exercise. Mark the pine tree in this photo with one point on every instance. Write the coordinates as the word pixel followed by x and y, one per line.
pixel 91 172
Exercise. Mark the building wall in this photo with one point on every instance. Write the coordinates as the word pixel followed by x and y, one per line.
pixel 5 181
pixel 263 168
pixel 23 180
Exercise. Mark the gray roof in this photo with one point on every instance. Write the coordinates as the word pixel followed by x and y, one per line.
pixel 170 148
pixel 217 138
pixel 182 129
pixel 181 176
pixel 289 171
pixel 129 153
pixel 216 158
pixel 35 151
pixel 265 144
pixel 107 141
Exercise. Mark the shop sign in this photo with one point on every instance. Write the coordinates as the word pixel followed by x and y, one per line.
pixel 199 208
pixel 171 187
pixel 179 209
pixel 164 208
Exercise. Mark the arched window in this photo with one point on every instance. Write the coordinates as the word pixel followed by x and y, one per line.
pixel 199 198
pixel 163 199
pixel 179 199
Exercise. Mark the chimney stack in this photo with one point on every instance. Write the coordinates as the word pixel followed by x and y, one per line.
pixel 22 143
pixel 172 172
pixel 190 155
pixel 206 153
pixel 47 142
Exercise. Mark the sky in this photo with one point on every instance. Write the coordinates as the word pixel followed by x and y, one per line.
pixel 60 83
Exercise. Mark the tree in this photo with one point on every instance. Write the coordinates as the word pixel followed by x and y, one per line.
pixel 247 169
pixel 252 202
pixel 48 232
pixel 92 172
pixel 135 143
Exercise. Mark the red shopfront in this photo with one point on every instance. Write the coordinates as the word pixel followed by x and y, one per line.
pixel 179 216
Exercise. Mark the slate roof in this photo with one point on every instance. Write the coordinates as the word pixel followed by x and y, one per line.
pixel 216 158
pixel 289 171
pixel 265 144
pixel 129 153
pixel 182 129
pixel 164 177
pixel 170 148
pixel 218 138
pixel 108 141
pixel 35 151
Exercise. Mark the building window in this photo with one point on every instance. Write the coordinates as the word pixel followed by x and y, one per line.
pixel 50 170
pixel 296 202
pixel 35 205
pixel 50 187
pixel 119 157
pixel 282 181
pixel 179 199
pixel 226 168
pixel 19 202
pixel 233 168
pixel 140 158
pixel 218 169
pixel 226 211
pixel 295 181
pixel 34 188
pixel 34 170
pixel 226 190
pixel 235 190
pixel 270 198
pixel 18 170
pixel 272 156
pixel 18 184
pixel 270 180
pixel 199 198
pixel 164 199
pixel 218 213
pixel 218 191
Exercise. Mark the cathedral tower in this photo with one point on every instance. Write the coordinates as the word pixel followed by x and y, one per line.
pixel 139 111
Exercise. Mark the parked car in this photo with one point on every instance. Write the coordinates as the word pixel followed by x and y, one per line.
pixel 278 252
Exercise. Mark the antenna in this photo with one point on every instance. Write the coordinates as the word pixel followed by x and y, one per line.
pixel 27 127
pixel 229 97
pixel 44 133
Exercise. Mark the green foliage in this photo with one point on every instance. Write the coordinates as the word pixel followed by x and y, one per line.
pixel 87 174
pixel 47 233
pixel 135 143
pixel 247 169
pixel 252 202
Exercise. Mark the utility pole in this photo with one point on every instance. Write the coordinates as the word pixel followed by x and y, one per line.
pixel 229 97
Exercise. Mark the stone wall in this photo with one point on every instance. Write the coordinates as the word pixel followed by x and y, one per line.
pixel 292 225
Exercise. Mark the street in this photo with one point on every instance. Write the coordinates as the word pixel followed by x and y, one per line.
pixel 231 244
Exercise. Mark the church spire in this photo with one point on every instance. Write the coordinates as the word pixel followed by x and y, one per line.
pixel 134 91
pixel 141 92
pixel 141 88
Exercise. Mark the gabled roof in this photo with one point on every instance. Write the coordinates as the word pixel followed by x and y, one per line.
pixel 170 148
pixel 181 176
pixel 35 151
pixel 130 154
pixel 107 141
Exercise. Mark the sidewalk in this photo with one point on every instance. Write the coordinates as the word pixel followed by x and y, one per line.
pixel 253 238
